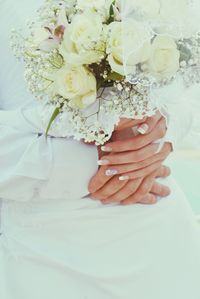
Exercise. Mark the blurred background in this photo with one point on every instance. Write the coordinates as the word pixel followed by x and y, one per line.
pixel 185 165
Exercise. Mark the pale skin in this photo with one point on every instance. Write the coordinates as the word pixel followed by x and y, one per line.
pixel 129 165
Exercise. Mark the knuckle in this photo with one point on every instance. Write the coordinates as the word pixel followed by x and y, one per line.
pixel 159 189
pixel 116 184
pixel 162 172
pixel 163 156
pixel 105 201
pixel 165 191
pixel 166 171
pixel 144 188
pixel 94 184
pixel 131 188
pixel 129 202
pixel 152 200
pixel 103 195
pixel 161 131
pixel 135 145
pixel 141 142
pixel 152 121
pixel 149 199
pixel 116 198
pixel 142 164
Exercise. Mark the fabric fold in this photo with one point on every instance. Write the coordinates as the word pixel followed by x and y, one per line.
pixel 26 157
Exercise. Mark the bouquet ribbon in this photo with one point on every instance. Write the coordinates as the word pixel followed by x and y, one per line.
pixel 37 157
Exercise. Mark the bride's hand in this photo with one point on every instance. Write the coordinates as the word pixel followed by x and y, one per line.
pixel 143 190
pixel 133 159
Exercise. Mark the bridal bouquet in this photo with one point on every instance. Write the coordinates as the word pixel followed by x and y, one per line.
pixel 75 61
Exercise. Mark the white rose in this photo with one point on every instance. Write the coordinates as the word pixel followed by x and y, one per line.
pixel 164 60
pixel 127 42
pixel 83 41
pixel 77 84
pixel 115 48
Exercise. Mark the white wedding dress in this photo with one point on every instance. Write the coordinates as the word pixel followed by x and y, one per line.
pixel 56 244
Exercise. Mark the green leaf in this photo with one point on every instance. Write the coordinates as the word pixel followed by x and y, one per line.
pixel 185 53
pixel 111 13
pixel 115 77
pixel 53 117
pixel 100 83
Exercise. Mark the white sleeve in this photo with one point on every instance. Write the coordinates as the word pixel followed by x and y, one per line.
pixel 25 157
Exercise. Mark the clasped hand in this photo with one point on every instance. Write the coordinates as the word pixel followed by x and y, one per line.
pixel 130 165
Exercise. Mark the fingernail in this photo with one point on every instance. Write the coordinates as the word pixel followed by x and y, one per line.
pixel 103 162
pixel 135 131
pixel 111 172
pixel 124 178
pixel 106 149
pixel 143 129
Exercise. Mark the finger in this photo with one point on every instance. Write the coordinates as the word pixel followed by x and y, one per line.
pixel 130 157
pixel 137 142
pixel 160 190
pixel 149 124
pixel 166 149
pixel 99 180
pixel 163 172
pixel 142 191
pixel 124 168
pixel 105 173
pixel 141 173
pixel 129 189
pixel 110 188
pixel 128 123
pixel 149 199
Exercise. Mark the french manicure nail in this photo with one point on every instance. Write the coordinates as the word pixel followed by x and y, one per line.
pixel 143 129
pixel 135 131
pixel 111 172
pixel 103 162
pixel 124 178
pixel 106 149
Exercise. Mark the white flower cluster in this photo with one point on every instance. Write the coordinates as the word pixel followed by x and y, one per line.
pixel 74 60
